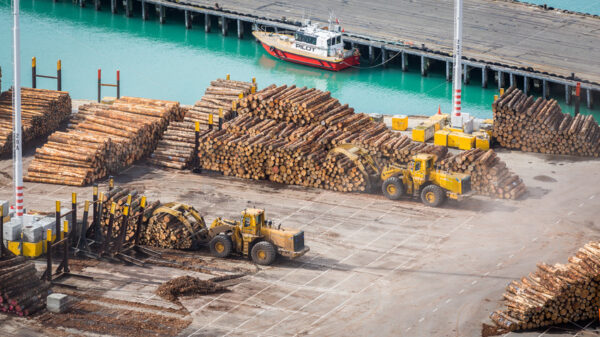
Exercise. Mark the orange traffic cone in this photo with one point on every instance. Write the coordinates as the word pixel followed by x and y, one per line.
pixel 439 109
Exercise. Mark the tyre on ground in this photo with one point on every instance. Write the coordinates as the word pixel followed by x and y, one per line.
pixel 263 253
pixel 393 188
pixel 433 195
pixel 221 245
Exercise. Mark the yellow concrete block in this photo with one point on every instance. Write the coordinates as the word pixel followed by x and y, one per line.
pixel 482 140
pixel 399 122
pixel 455 130
pixel 453 139
pixel 423 132
pixel 441 138
pixel 30 249
pixel 466 141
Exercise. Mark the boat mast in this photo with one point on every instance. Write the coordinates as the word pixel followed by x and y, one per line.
pixel 456 119
pixel 17 155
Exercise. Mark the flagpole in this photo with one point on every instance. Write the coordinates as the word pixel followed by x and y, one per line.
pixel 17 146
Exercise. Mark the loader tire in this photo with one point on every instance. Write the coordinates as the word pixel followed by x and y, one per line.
pixel 221 245
pixel 263 253
pixel 433 196
pixel 393 188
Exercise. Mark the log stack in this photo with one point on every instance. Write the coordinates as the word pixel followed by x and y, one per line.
pixel 167 231
pixel 102 139
pixel 284 134
pixel 527 124
pixel 21 290
pixel 42 112
pixel 176 148
pixel 489 174
pixel 554 294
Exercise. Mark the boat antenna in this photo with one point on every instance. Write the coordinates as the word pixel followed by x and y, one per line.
pixel 456 119
pixel 17 146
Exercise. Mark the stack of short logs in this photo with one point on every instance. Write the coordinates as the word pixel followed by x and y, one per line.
pixel 176 148
pixel 21 290
pixel 557 294
pixel 284 134
pixel 489 175
pixel 161 230
pixel 42 111
pixel 102 139
pixel 527 124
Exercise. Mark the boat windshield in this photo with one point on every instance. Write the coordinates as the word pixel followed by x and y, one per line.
pixel 305 38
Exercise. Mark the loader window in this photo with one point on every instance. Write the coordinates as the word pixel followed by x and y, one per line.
pixel 259 219
pixel 247 221
pixel 418 166
pixel 429 163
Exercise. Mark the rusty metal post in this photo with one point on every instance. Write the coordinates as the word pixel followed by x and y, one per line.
pixel 59 75
pixel 111 219
pixel 65 262
pixel 57 221
pixel 118 84
pixel 97 229
pixel 99 84
pixel 49 255
pixel 33 73
pixel 1 230
pixel 111 183
pixel 73 215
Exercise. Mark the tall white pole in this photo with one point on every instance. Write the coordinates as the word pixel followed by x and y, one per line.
pixel 17 155
pixel 456 119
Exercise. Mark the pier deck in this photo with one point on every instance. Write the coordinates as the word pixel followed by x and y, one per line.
pixel 495 32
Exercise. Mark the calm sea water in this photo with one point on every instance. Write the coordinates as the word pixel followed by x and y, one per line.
pixel 169 62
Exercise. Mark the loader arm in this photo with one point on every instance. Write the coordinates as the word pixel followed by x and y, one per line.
pixel 361 158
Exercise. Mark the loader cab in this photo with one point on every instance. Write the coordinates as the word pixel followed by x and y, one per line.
pixel 421 168
pixel 252 221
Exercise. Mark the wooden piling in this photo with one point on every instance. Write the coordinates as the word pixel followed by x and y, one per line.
pixel 188 19
pixel 589 97
pixel 484 77
pixel 161 14
pixel 128 8
pixel 240 29
pixel 224 26
pixel 423 66
pixel 466 77
pixel 544 89
pixel 113 6
pixel 404 61
pixel 525 85
pixel 371 56
pixel 448 71
pixel 383 56
pixel 206 23
pixel 144 10
pixel 500 80
pixel 567 94
pixel 97 5
pixel 511 78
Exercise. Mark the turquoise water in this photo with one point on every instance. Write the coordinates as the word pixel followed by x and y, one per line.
pixel 169 62
pixel 590 7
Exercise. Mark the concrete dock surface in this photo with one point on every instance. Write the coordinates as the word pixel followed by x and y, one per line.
pixel 376 266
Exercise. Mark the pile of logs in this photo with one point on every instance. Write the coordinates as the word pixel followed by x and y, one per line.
pixel 489 175
pixel 42 111
pixel 521 122
pixel 102 139
pixel 167 231
pixel 176 148
pixel 284 134
pixel 554 294
pixel 21 290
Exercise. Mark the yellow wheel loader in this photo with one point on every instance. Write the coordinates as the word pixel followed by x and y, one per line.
pixel 252 236
pixel 419 178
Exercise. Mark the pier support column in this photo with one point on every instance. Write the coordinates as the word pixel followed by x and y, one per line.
pixel 206 22
pixel 588 95
pixel 161 14
pixel 240 29
pixel 567 94
pixel 128 8
pixel 423 65
pixel 113 6
pixel 511 78
pixel 484 77
pixel 544 89
pixel 500 80
pixel 224 26
pixel 276 29
pixel 97 5
pixel 188 19
pixel 81 3
pixel 525 84
pixel 448 71
pixel 383 56
pixel 371 56
pixel 466 76
pixel 404 60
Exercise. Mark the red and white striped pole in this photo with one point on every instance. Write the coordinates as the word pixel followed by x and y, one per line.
pixel 456 118
pixel 17 154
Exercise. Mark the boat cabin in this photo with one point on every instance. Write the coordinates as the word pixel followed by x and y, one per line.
pixel 319 41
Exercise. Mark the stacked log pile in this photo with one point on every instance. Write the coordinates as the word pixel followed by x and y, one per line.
pixel 554 294
pixel 21 290
pixel 176 148
pixel 523 123
pixel 102 139
pixel 489 175
pixel 42 112
pixel 284 134
pixel 167 231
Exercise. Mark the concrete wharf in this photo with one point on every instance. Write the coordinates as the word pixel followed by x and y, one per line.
pixel 505 42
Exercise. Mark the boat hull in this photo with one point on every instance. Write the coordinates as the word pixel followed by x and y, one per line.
pixel 353 60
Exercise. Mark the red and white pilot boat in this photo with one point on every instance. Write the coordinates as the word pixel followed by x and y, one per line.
pixel 312 46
